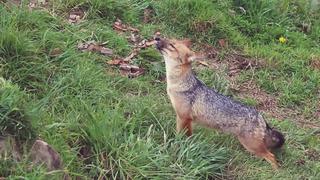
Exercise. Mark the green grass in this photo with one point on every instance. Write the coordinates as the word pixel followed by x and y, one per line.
pixel 76 102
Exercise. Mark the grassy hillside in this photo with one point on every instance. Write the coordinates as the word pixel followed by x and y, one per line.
pixel 108 126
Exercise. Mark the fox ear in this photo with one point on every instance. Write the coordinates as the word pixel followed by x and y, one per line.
pixel 196 56
pixel 186 42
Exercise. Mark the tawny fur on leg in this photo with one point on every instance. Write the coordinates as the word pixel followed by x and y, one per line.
pixel 184 124
pixel 268 156
pixel 257 147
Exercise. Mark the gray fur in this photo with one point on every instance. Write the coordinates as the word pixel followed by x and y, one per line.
pixel 218 111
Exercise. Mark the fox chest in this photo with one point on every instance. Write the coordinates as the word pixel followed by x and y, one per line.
pixel 181 102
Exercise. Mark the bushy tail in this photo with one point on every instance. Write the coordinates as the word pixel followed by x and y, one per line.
pixel 274 139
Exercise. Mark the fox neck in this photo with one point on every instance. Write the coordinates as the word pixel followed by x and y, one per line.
pixel 176 72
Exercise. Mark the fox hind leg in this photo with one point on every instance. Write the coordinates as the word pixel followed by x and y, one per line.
pixel 184 124
pixel 257 147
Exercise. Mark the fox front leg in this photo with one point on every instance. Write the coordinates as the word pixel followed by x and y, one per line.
pixel 184 125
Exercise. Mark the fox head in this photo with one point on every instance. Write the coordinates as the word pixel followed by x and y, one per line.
pixel 177 54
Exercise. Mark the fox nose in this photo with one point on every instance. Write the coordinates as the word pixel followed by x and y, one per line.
pixel 159 43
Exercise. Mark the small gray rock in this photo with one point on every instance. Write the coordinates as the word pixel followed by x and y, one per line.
pixel 43 153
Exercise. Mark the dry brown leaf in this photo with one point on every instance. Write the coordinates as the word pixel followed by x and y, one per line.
pixel 133 29
pixel 146 43
pixel 315 63
pixel 118 26
pixel 106 51
pixel 134 37
pixel 131 71
pixel 76 15
pixel 134 53
pixel 126 69
pixel 31 5
pixel 203 63
pixel 92 46
pixel 142 43
pixel 150 43
pixel 116 62
pixel 38 4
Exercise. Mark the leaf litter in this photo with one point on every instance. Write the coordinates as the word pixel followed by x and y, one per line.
pixel 38 4
pixel 93 46
pixel 235 61
pixel 125 63
pixel 120 27
pixel 76 15
pixel 131 71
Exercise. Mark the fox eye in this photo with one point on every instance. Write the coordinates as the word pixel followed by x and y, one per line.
pixel 172 45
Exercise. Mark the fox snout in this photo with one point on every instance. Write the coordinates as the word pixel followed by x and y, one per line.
pixel 160 43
